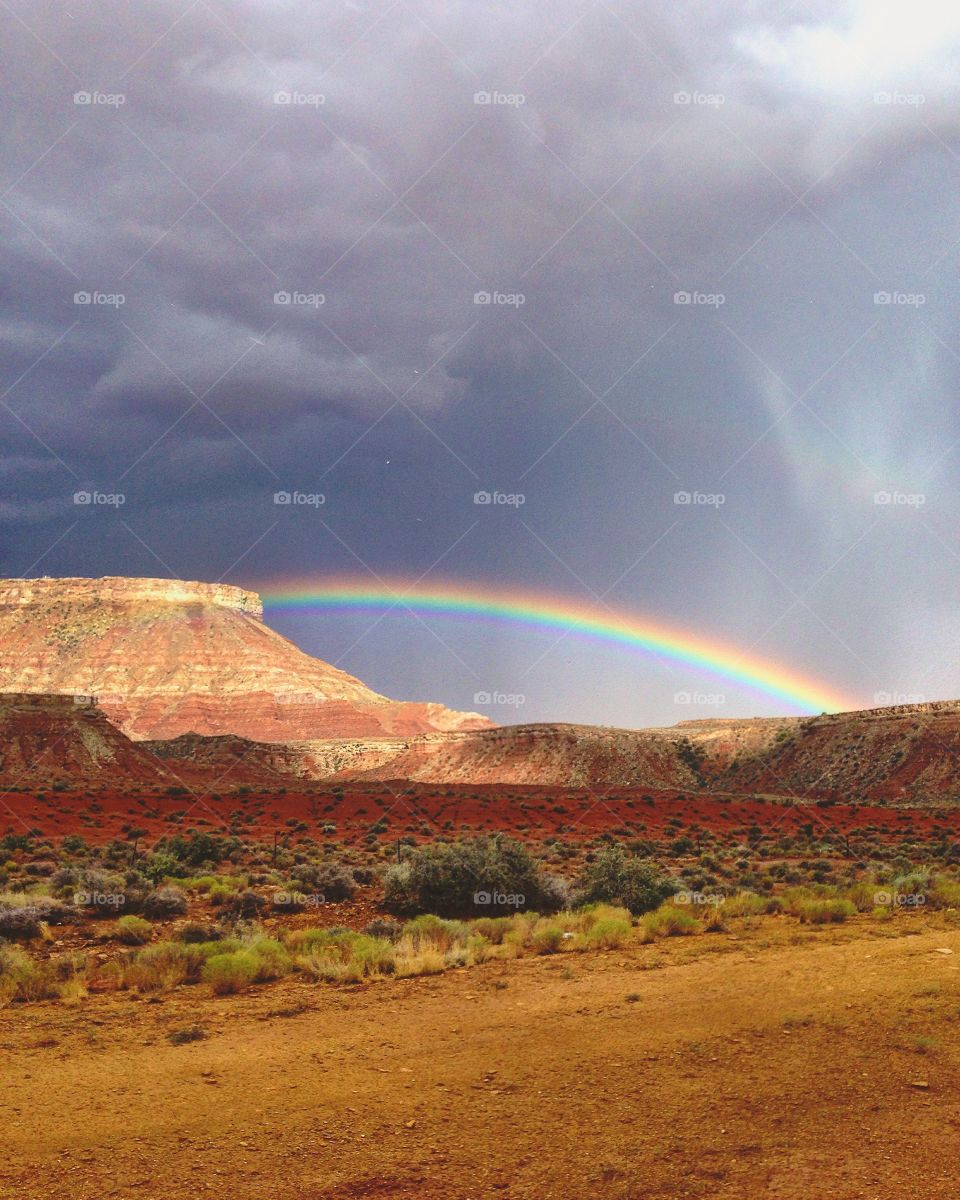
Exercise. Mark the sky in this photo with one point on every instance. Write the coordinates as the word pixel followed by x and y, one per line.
pixel 675 284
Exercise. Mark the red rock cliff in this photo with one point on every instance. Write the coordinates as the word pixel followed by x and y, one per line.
pixel 164 657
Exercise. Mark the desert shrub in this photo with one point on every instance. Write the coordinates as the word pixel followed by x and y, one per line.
pixel 435 932
pixel 133 931
pixel 493 929
pixel 165 902
pixel 614 878
pixel 376 956
pixel 227 973
pixel 330 880
pixel 452 879
pixel 863 895
pixel 342 957
pixel 166 964
pixel 98 893
pixel 713 920
pixel 20 922
pixel 384 927
pixel 399 888
pixel 195 850
pixel 246 906
pixel 749 904
pixel 411 962
pixel 607 933
pixel 159 866
pixel 912 883
pixel 669 920
pixel 22 978
pixel 945 893
pixel 205 883
pixel 273 960
pixel 479 948
pixel 555 893
pixel 163 965
pixel 195 931
pixel 219 893
pixel 824 911
pixel 547 939
pixel 64 881
pixel 41 869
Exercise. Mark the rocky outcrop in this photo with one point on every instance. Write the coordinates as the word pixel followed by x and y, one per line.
pixel 164 657
pixel 47 740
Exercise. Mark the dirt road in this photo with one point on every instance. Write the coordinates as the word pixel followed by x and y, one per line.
pixel 783 1063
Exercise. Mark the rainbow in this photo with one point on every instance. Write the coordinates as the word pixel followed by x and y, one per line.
pixel 525 610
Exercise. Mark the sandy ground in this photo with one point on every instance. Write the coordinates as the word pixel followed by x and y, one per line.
pixel 782 1062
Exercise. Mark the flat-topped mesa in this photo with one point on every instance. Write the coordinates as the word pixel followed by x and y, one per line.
pixel 164 658
pixel 118 589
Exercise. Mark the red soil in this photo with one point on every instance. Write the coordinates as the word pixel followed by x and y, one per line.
pixel 425 811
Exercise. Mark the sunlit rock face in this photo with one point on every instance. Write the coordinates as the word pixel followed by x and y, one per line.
pixel 164 657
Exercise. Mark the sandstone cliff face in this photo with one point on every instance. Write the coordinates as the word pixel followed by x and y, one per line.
pixel 164 657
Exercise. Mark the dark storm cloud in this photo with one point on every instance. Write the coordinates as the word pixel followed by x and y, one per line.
pixel 629 152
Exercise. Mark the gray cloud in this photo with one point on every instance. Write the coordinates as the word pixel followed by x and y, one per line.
pixel 790 160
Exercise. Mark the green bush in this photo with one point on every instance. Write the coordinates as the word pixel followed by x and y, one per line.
pixel 614 878
pixel 133 931
pixel 165 902
pixel 228 973
pixel 824 911
pixel 273 960
pixel 607 933
pixel 464 878
pixel 341 956
pixel 670 921
pixel 330 880
pixel 547 939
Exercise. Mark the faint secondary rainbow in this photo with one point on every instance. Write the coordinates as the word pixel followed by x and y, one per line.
pixel 525 610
